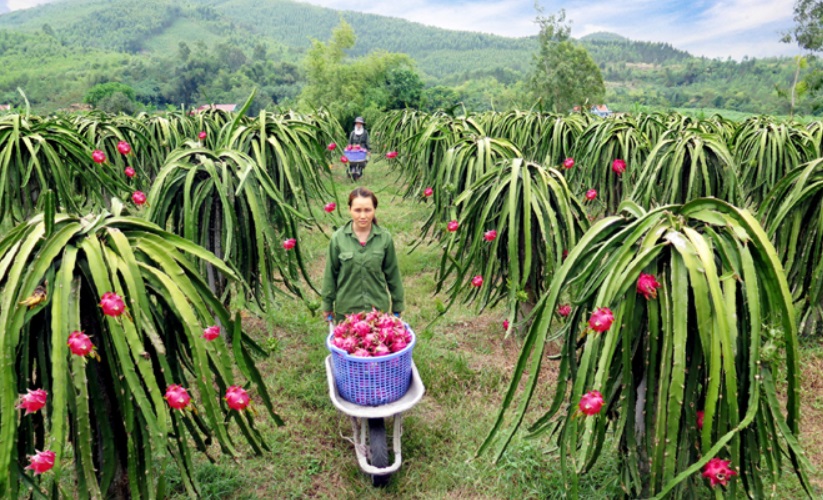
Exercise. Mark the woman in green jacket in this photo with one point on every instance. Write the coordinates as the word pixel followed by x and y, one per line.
pixel 361 266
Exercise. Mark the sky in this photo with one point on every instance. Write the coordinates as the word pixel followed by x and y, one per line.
pixel 9 5
pixel 711 28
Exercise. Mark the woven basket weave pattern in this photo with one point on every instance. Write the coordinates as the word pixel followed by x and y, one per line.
pixel 372 381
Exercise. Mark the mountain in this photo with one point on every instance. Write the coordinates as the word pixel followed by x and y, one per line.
pixel 604 36
pixel 612 48
pixel 157 26
pixel 439 52
pixel 57 51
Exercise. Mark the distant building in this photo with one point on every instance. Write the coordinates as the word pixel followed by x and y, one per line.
pixel 600 110
pixel 222 107
pixel 77 107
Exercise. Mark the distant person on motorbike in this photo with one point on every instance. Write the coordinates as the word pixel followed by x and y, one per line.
pixel 359 138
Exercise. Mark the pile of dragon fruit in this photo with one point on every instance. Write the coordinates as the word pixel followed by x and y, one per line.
pixel 371 335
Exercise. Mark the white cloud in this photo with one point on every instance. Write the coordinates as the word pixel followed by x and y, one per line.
pixel 712 28
pixel 503 17
pixel 742 16
pixel 588 29
pixel 24 4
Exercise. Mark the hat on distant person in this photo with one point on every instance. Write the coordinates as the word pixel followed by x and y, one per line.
pixel 359 119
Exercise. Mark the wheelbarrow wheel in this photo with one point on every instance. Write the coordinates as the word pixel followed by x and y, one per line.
pixel 379 450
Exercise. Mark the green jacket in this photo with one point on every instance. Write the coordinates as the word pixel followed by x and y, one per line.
pixel 358 277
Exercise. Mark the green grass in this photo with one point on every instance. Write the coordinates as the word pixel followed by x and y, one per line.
pixel 464 362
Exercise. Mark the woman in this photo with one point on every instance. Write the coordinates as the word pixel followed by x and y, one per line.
pixel 359 137
pixel 361 267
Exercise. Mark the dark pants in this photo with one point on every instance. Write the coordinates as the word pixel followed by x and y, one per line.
pixel 356 169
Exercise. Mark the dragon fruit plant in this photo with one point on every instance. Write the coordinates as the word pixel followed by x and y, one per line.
pixel 671 354
pixel 107 326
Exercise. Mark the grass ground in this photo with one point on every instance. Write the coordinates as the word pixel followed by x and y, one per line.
pixel 465 364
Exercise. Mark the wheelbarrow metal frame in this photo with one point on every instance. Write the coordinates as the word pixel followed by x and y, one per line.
pixel 361 414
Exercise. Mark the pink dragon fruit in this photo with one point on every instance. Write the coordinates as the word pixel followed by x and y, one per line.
pixel 647 285
pixel 601 320
pixel 372 316
pixel 341 330
pixel 386 322
pixel 112 304
pixel 177 397
pixel 41 462
pixel 386 335
pixel 717 471
pixel 381 350
pixel 211 333
pixel 591 403
pixel 398 345
pixel 98 156
pixel 619 166
pixel 33 401
pixel 80 345
pixel 349 344
pixel 237 398
pixel 361 328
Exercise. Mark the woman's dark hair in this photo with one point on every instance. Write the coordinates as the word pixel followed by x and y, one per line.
pixel 361 192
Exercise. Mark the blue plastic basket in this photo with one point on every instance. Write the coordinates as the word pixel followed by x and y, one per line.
pixel 372 381
pixel 355 155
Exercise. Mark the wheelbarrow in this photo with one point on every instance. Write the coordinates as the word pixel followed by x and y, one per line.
pixel 355 170
pixel 369 427
pixel 357 160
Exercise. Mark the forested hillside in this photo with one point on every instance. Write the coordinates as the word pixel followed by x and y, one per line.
pixel 175 53
pixel 608 47
pixel 657 74
pixel 156 27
